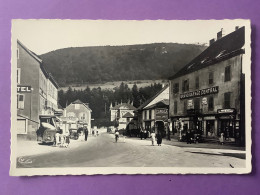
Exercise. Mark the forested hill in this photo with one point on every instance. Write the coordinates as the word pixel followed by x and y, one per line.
pixel 118 63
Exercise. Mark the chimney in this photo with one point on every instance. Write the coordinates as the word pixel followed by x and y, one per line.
pixel 237 27
pixel 219 35
pixel 211 41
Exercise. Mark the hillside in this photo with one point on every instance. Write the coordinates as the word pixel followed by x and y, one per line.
pixel 118 63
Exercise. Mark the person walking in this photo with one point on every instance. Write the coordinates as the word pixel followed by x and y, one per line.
pixel 86 133
pixel 159 139
pixel 141 134
pixel 153 138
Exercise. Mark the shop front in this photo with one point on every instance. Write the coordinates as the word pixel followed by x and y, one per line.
pixel 227 124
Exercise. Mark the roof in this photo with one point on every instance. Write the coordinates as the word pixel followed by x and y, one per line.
pixel 162 103
pixel 129 106
pixel 152 98
pixel 35 56
pixel 222 49
pixel 80 102
pixel 128 115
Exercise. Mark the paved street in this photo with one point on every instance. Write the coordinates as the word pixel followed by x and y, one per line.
pixel 102 151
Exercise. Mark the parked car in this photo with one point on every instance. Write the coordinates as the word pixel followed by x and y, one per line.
pixel 74 134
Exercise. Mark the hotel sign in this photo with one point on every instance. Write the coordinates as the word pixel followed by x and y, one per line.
pixel 24 89
pixel 199 93
pixel 226 111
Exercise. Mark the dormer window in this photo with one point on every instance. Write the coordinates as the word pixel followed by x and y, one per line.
pixel 221 53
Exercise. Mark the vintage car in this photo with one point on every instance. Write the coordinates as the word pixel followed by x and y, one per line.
pixel 74 134
pixel 48 129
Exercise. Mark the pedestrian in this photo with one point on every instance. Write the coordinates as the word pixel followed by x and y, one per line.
pixel 141 134
pixel 188 137
pixel 86 133
pixel 145 134
pixel 153 137
pixel 159 139
pixel 221 139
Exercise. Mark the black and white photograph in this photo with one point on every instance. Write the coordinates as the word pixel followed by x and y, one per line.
pixel 130 97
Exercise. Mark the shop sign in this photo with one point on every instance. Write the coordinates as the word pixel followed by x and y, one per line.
pixel 226 111
pixel 58 113
pixel 24 89
pixel 199 93
pixel 161 114
pixel 204 101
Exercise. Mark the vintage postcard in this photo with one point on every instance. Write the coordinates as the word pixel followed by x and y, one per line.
pixel 130 97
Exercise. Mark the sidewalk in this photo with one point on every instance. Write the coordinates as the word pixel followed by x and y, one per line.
pixel 175 142
pixel 28 148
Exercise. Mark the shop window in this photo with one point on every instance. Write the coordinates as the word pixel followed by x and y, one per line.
pixel 185 85
pixel 176 88
pixel 227 73
pixel 197 103
pixel 175 107
pixel 211 78
pixel 20 101
pixel 197 82
pixel 211 104
pixel 227 100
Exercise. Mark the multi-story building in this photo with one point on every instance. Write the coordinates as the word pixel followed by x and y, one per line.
pixel 77 114
pixel 153 114
pixel 32 92
pixel 122 114
pixel 207 95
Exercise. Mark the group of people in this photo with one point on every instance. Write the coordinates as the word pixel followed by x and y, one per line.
pixel 158 137
pixel 61 140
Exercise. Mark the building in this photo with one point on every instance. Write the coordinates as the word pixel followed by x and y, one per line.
pixel 122 114
pixel 207 95
pixel 76 115
pixel 153 114
pixel 33 94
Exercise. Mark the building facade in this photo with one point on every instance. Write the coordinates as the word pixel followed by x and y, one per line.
pixel 122 114
pixel 32 92
pixel 207 95
pixel 153 114
pixel 76 115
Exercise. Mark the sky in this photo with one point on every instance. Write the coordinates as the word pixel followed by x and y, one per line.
pixel 42 36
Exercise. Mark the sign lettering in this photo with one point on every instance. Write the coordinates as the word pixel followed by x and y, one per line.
pixel 24 89
pixel 198 93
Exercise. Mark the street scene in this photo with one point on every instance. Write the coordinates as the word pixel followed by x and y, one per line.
pixel 175 103
pixel 103 151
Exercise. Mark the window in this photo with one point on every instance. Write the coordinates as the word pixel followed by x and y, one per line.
pixel 18 54
pixel 145 114
pixel 21 126
pixel 211 103
pixel 185 85
pixel 150 114
pixel 20 101
pixel 197 103
pixel 175 107
pixel 197 82
pixel 176 88
pixel 211 78
pixel 77 106
pixel 184 106
pixel 227 98
pixel 18 75
pixel 227 73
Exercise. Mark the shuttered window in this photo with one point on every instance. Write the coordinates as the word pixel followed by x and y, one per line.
pixel 227 73
pixel 227 100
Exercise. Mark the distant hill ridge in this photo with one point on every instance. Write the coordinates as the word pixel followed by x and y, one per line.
pixel 98 64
